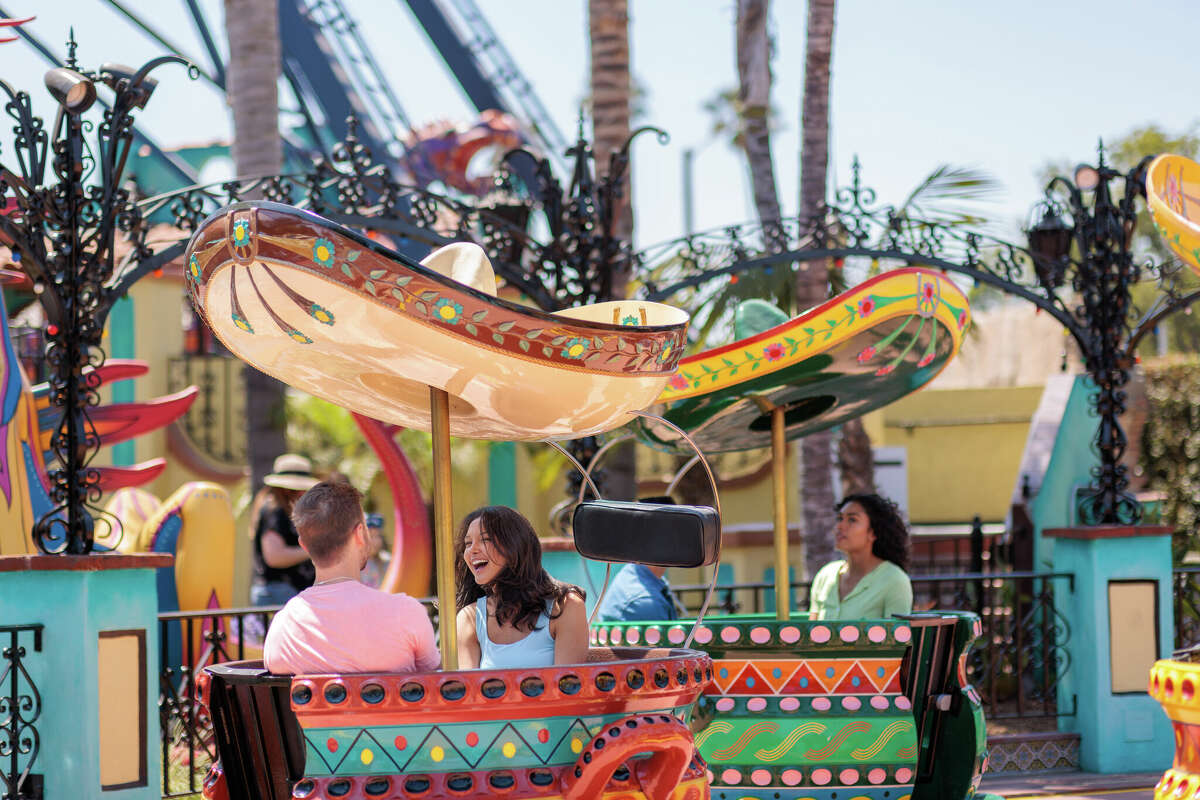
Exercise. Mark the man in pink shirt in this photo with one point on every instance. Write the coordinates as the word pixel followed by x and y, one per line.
pixel 339 624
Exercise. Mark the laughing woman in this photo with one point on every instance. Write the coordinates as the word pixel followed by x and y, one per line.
pixel 511 613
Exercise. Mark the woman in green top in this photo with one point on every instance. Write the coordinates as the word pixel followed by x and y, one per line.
pixel 872 581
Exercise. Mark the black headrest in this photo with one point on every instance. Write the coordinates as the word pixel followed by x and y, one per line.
pixel 655 534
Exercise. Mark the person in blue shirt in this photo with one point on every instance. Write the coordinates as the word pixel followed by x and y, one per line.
pixel 637 593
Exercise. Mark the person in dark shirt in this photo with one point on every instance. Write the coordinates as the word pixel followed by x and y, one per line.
pixel 282 568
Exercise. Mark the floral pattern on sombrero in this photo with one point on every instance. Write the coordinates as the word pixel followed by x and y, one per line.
pixel 461 312
pixel 926 302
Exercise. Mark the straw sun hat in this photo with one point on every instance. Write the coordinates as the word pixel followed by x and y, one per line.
pixel 291 471
pixel 336 315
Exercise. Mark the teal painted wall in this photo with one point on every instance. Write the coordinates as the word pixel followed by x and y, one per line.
pixel 1070 467
pixel 502 474
pixel 121 345
pixel 1118 732
pixel 75 606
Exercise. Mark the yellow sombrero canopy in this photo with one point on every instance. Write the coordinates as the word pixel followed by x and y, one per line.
pixel 336 315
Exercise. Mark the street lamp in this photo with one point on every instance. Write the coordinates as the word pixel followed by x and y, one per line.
pixel 1102 271
pixel 63 232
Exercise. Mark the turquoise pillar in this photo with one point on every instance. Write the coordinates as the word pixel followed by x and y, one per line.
pixel 121 345
pixel 1070 469
pixel 95 672
pixel 1119 615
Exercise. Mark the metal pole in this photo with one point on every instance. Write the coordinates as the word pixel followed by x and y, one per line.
pixel 689 220
pixel 783 598
pixel 443 525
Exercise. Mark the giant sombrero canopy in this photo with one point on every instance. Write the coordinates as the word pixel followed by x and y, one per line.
pixel 861 350
pixel 1173 194
pixel 330 312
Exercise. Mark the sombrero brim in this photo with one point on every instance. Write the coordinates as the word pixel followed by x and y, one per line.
pixel 299 483
pixel 1173 195
pixel 334 314
pixel 862 350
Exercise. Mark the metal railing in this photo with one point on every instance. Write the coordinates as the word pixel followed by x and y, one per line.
pixel 1186 598
pixel 20 707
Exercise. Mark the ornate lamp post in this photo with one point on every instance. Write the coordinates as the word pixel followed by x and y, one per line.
pixel 62 233
pixel 1093 253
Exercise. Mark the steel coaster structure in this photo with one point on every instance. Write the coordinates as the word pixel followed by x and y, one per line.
pixel 334 77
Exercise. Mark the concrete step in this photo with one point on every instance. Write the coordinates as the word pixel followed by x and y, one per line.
pixel 1012 753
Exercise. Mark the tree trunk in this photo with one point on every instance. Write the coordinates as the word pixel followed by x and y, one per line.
pixel 754 101
pixel 608 33
pixel 856 460
pixel 816 453
pixel 252 27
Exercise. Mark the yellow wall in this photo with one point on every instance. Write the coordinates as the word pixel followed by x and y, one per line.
pixel 964 449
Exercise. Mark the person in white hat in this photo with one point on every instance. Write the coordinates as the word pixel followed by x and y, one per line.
pixel 282 568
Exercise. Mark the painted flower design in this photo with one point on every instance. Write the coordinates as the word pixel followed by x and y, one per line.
pixel 773 351
pixel 668 348
pixel 926 360
pixel 678 382
pixel 575 348
pixel 448 311
pixel 193 269
pixel 1174 197
pixel 927 298
pixel 866 354
pixel 866 306
pixel 323 252
pixel 962 319
pixel 885 370
pixel 297 336
pixel 629 320
pixel 241 233
pixel 321 314
pixel 242 324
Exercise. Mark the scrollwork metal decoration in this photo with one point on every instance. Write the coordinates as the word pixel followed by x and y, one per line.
pixel 1079 271
pixel 61 227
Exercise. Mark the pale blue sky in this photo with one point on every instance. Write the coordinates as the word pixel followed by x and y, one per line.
pixel 1005 86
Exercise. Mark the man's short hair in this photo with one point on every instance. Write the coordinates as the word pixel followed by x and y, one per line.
pixel 325 517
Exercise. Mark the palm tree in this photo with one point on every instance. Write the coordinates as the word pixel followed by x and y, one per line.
pixel 252 27
pixel 754 107
pixel 816 479
pixel 611 96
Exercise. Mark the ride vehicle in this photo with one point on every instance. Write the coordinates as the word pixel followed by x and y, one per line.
pixel 430 346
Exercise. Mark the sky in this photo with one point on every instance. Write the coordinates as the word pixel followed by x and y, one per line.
pixel 1005 87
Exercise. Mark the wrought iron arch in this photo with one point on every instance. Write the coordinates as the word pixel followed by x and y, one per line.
pixel 1082 279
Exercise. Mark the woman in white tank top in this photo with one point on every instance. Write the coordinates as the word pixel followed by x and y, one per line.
pixel 511 613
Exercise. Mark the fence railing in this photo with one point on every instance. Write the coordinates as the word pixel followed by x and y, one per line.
pixel 20 707
pixel 1186 594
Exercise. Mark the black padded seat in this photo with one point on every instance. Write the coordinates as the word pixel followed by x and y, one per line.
pixel 657 534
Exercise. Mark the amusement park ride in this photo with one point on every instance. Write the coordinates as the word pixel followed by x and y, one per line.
pixel 754 706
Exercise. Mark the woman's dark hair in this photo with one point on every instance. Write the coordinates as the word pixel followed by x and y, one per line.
pixel 523 588
pixel 891 534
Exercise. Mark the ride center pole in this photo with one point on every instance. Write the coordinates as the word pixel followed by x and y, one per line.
pixel 783 595
pixel 443 526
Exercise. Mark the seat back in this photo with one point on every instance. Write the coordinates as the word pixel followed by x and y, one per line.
pixel 258 738
pixel 657 534
pixel 947 713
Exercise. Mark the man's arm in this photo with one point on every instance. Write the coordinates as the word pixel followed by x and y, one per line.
pixel 426 657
